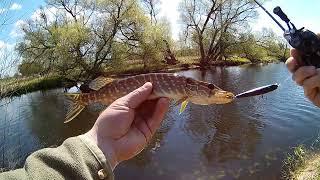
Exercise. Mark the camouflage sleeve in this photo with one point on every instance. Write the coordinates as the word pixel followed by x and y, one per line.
pixel 76 158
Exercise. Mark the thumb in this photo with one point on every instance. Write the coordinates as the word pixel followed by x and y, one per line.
pixel 136 97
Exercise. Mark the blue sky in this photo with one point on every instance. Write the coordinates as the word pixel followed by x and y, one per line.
pixel 15 11
pixel 303 13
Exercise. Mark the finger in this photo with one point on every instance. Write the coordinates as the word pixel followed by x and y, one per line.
pixel 143 127
pixel 161 108
pixel 310 84
pixel 297 56
pixel 295 53
pixel 303 73
pixel 313 95
pixel 309 92
pixel 135 98
pixel 292 64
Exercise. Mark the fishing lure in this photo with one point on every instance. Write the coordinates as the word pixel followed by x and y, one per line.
pixel 258 91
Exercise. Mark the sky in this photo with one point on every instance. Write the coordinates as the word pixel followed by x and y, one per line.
pixel 302 13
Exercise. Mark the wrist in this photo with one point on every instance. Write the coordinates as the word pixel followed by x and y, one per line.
pixel 105 146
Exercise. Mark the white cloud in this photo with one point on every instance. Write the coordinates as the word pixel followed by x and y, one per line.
pixel 2 10
pixel 2 44
pixel 15 6
pixel 169 10
pixel 49 12
pixel 17 29
pixel 20 23
pixel 5 46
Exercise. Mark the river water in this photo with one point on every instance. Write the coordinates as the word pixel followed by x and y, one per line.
pixel 247 139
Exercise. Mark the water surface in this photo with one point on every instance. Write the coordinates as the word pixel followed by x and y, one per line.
pixel 247 139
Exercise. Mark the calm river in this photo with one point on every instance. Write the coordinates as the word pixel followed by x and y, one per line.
pixel 247 139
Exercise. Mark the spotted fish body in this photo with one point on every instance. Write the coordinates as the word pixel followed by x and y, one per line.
pixel 167 85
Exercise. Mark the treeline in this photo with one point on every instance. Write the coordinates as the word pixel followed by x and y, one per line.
pixel 80 39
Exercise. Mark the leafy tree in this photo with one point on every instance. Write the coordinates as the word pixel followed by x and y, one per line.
pixel 259 46
pixel 250 49
pixel 81 38
pixel 276 46
pixel 212 24
pixel 28 69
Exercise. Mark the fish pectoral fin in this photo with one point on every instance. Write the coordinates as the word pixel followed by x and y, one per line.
pixel 75 106
pixel 183 106
pixel 99 82
pixel 180 101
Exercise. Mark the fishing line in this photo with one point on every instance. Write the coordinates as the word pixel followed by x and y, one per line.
pixel 280 84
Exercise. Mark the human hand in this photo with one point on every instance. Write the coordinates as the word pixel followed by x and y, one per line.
pixel 128 124
pixel 306 76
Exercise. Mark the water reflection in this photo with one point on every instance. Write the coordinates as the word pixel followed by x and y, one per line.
pixel 246 139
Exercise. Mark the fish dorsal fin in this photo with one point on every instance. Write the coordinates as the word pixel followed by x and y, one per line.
pixel 99 82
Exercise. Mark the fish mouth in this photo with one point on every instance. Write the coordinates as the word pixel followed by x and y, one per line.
pixel 224 97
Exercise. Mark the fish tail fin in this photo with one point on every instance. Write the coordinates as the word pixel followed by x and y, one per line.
pixel 75 106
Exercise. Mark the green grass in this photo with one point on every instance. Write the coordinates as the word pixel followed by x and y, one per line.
pixel 269 59
pixel 239 60
pixel 19 86
pixel 294 162
pixel 134 68
pixel 308 169
pixel 188 59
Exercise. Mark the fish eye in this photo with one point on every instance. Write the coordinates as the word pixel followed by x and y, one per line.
pixel 211 86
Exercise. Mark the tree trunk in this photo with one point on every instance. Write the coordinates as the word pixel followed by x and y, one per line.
pixel 204 60
pixel 168 55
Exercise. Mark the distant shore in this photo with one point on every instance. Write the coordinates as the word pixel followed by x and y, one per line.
pixel 22 85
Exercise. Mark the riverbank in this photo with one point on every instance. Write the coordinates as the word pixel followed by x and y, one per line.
pixel 184 63
pixel 311 169
pixel 301 164
pixel 18 86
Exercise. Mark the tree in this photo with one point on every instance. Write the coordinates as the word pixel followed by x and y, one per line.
pixel 8 59
pixel 28 69
pixel 152 7
pixel 211 24
pixel 276 46
pixel 146 41
pixel 80 38
pixel 250 49
pixel 259 46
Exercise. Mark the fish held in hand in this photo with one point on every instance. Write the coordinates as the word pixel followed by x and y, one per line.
pixel 179 88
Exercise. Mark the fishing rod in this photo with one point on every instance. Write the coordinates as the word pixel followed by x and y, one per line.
pixel 306 41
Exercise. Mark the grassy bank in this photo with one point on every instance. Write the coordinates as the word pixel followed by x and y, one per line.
pixel 310 170
pixel 19 86
pixel 301 164
pixel 184 63
pixel 294 161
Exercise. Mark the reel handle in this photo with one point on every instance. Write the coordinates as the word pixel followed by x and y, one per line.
pixel 278 11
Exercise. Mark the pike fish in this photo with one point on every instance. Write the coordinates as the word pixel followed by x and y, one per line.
pixel 179 88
